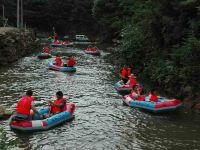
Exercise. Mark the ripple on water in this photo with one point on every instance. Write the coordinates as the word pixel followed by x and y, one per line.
pixel 101 121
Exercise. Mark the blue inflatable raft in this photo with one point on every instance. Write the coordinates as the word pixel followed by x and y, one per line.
pixel 163 105
pixel 61 69
pixel 124 89
pixel 36 124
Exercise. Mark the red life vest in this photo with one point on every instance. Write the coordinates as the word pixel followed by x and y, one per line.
pixel 71 62
pixel 89 49
pixel 56 109
pixel 132 81
pixel 139 98
pixel 46 50
pixel 58 61
pixel 124 73
pixel 134 91
pixel 24 105
pixel 129 70
pixel 93 49
pixel 153 98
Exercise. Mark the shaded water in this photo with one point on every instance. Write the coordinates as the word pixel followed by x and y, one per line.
pixel 101 121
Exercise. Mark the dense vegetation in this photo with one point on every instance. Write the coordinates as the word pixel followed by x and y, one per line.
pixel 160 39
pixel 67 16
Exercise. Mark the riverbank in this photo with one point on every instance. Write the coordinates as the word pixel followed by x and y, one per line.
pixel 167 78
pixel 15 43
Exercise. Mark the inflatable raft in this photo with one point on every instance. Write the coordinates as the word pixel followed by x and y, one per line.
pixel 124 89
pixel 56 45
pixel 92 51
pixel 163 105
pixel 44 56
pixel 68 44
pixel 45 124
pixel 61 69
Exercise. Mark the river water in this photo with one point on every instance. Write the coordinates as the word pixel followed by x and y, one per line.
pixel 101 121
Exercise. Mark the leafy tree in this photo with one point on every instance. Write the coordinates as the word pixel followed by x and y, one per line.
pixel 160 39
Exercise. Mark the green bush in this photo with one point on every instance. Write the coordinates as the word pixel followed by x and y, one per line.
pixel 5 142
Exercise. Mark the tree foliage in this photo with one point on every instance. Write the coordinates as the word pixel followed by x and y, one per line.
pixel 160 39
pixel 67 16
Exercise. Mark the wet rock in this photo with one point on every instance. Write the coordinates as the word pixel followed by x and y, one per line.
pixel 5 113
pixel 2 109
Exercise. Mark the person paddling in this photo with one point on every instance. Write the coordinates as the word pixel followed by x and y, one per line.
pixel 58 105
pixel 132 80
pixel 71 61
pixel 129 70
pixel 46 50
pixel 25 105
pixel 153 96
pixel 58 61
pixel 136 94
pixel 124 74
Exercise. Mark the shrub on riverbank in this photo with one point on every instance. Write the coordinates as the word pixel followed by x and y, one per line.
pixel 7 143
pixel 160 39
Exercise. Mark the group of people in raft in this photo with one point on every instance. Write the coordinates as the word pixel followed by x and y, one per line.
pixel 26 104
pixel 58 60
pixel 127 78
pixel 91 48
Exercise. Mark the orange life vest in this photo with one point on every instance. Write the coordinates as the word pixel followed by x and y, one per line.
pixel 24 105
pixel 56 109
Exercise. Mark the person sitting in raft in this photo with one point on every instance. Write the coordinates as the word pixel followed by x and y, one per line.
pixel 71 61
pixel 24 105
pixel 58 105
pixel 129 70
pixel 153 96
pixel 58 61
pixel 135 93
pixel 132 80
pixel 46 50
pixel 55 36
pixel 124 75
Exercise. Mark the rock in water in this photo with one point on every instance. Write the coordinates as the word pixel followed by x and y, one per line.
pixel 5 113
